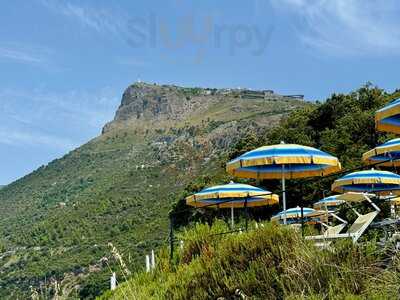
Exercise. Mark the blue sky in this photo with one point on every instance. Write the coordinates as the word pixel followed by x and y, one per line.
pixel 64 64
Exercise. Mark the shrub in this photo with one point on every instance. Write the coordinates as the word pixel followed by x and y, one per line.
pixel 271 262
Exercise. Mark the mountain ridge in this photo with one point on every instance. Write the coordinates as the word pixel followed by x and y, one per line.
pixel 155 103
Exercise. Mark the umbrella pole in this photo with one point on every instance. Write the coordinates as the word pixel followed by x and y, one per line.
pixel 327 213
pixel 246 212
pixel 302 220
pixel 171 237
pixel 392 211
pixel 232 217
pixel 284 195
pixel 302 211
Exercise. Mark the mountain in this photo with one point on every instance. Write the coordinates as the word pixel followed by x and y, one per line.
pixel 57 222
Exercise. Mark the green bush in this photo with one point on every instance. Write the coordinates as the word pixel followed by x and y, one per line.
pixel 272 262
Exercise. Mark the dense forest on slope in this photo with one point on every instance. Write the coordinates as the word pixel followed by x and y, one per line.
pixel 56 223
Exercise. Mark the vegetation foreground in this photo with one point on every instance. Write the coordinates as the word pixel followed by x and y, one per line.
pixel 271 262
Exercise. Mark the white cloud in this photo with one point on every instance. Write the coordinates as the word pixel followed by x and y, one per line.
pixel 346 26
pixel 22 53
pixel 54 120
pixel 17 137
pixel 100 19
pixel 107 21
pixel 18 55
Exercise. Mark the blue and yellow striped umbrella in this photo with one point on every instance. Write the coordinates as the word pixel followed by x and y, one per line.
pixel 387 154
pixel 293 215
pixel 283 161
pixel 370 181
pixel 232 195
pixel 329 203
pixel 388 118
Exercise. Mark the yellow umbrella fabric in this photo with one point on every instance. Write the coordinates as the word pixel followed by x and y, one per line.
pixel 371 181
pixel 387 154
pixel 388 118
pixel 232 195
pixel 283 161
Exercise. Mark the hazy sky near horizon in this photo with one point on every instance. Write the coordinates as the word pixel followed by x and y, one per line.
pixel 64 64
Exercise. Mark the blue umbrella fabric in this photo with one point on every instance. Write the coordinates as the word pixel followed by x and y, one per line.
pixel 388 117
pixel 283 161
pixel 370 181
pixel 329 203
pixel 387 154
pixel 293 215
pixel 232 195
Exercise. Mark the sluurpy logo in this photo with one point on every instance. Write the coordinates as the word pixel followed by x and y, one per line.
pixel 197 33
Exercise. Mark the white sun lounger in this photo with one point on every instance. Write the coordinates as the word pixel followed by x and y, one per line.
pixel 356 229
pixel 330 231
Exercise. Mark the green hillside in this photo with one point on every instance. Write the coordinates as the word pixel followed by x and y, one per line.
pixel 56 223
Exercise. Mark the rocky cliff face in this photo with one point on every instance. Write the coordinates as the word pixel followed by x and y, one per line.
pixel 145 101
pixel 152 103
pixel 212 120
